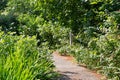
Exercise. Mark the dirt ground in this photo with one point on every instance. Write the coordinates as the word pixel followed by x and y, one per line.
pixel 70 70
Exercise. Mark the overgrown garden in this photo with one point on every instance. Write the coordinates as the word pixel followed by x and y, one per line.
pixel 32 29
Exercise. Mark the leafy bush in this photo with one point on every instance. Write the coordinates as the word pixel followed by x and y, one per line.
pixel 109 55
pixel 53 34
pixel 20 59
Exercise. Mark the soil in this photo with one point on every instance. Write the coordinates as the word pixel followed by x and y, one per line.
pixel 70 70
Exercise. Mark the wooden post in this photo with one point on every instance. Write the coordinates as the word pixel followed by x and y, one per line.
pixel 71 37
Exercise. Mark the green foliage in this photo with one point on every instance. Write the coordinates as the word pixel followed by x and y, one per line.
pixel 53 33
pixel 94 24
pixel 68 13
pixel 8 22
pixel 20 59
pixel 3 4
pixel 28 24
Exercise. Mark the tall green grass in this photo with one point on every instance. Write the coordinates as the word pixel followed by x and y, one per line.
pixel 21 59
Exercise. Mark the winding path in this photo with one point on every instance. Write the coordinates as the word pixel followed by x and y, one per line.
pixel 71 71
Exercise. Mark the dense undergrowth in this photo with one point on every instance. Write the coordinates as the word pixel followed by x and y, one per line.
pixel 21 59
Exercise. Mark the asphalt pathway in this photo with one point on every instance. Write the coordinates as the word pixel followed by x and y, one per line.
pixel 71 71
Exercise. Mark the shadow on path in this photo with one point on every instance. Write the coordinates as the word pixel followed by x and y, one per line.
pixel 64 77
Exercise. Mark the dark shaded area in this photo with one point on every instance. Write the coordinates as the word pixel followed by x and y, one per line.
pixel 3 4
pixel 63 77
pixel 9 23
